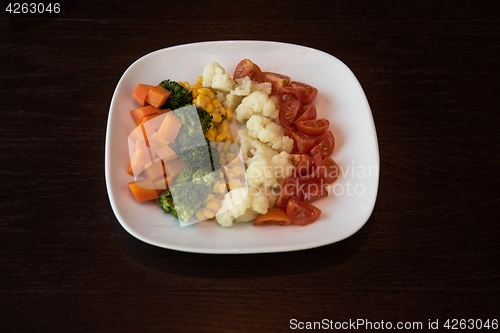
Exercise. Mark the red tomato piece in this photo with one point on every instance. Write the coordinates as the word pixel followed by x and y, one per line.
pixel 314 191
pixel 288 112
pixel 303 144
pixel 248 68
pixel 305 165
pixel 314 127
pixel 290 190
pixel 277 81
pixel 288 93
pixel 274 216
pixel 308 113
pixel 307 91
pixel 302 213
pixel 328 172
pixel 324 144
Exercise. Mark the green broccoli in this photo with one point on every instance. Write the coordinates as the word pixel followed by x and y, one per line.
pixel 179 95
pixel 167 203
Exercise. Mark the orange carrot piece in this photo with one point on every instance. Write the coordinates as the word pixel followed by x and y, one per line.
pixel 141 92
pixel 130 171
pixel 139 113
pixel 146 118
pixel 162 111
pixel 140 193
pixel 157 96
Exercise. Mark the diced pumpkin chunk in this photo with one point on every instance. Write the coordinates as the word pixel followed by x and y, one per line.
pixel 157 96
pixel 141 92
pixel 143 190
pixel 173 168
pixel 139 113
pixel 170 127
pixel 139 160
pixel 153 170
pixel 166 153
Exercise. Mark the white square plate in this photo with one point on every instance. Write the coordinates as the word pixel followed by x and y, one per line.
pixel 340 99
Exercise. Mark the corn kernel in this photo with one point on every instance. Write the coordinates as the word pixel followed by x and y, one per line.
pixel 216 118
pixel 203 91
pixel 222 161
pixel 225 148
pixel 199 80
pixel 209 108
pixel 199 215
pixel 209 198
pixel 229 115
pixel 196 86
pixel 221 137
pixel 208 213
pixel 211 95
pixel 213 205
pixel 235 183
pixel 216 103
pixel 201 102
pixel 209 137
pixel 222 111
pixel 223 127
pixel 230 157
pixel 194 94
pixel 230 175
pixel 238 170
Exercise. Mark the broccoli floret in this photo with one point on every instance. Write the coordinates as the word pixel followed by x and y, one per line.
pixel 167 203
pixel 179 95
pixel 205 119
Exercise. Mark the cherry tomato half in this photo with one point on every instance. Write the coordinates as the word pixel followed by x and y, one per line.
pixel 274 216
pixel 314 191
pixel 328 172
pixel 288 93
pixel 302 213
pixel 324 144
pixel 303 144
pixel 290 190
pixel 307 92
pixel 277 81
pixel 305 165
pixel 248 68
pixel 308 113
pixel 314 127
pixel 288 113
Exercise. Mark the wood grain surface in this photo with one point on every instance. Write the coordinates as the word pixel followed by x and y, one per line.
pixel 430 250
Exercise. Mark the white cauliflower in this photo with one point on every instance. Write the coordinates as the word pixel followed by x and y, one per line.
pixel 214 76
pixel 245 86
pixel 256 103
pixel 232 101
pixel 244 204
pixel 269 133
pixel 265 166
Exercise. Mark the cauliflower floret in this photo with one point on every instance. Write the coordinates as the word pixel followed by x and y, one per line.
pixel 269 133
pixel 256 103
pixel 214 76
pixel 244 204
pixel 232 101
pixel 245 86
pixel 265 166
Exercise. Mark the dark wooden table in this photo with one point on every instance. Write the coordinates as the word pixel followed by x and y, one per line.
pixel 430 250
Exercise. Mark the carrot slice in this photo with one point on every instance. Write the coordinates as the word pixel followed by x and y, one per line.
pixel 143 190
pixel 139 113
pixel 141 92
pixel 157 96
pixel 162 111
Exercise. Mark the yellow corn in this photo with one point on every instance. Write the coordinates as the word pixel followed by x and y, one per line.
pixel 222 161
pixel 208 213
pixel 221 137
pixel 222 111
pixel 230 157
pixel 235 183
pixel 209 108
pixel 216 103
pixel 211 95
pixel 238 170
pixel 213 205
pixel 199 80
pixel 194 94
pixel 201 102
pixel 209 137
pixel 213 132
pixel 230 175
pixel 225 148
pixel 229 115
pixel 223 127
pixel 216 117
pixel 209 198
pixel 196 86
pixel 207 99
pixel 203 91
pixel 199 215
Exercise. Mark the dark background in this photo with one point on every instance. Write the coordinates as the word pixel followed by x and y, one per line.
pixel 430 70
